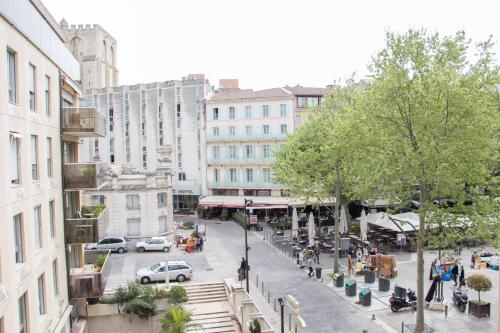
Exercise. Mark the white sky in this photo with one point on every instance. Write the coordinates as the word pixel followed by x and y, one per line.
pixel 266 43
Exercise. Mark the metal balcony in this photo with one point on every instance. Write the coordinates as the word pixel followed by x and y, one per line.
pixel 87 280
pixel 83 122
pixel 84 176
pixel 250 137
pixel 244 185
pixel 85 229
pixel 240 160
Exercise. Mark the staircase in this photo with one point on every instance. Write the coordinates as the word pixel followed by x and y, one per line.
pixel 210 309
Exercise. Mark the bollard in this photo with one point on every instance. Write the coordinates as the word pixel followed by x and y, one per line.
pixel 275 304
pixel 446 311
pixel 268 297
pixel 365 331
pixel 290 321
pixel 262 288
pixel 402 327
pixel 373 317
pixel 257 278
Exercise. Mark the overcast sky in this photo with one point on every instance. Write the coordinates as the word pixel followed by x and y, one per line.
pixel 266 43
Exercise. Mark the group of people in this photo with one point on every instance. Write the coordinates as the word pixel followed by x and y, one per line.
pixel 457 272
pixel 308 258
pixel 193 244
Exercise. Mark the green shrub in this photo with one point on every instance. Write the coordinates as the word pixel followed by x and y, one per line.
pixel 143 308
pixel 355 228
pixel 255 326
pixel 188 225
pixel 101 259
pixel 176 320
pixel 239 218
pixel 479 282
pixel 147 292
pixel 177 295
pixel 160 293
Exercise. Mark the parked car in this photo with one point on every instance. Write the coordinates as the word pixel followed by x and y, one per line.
pixel 177 271
pixel 115 244
pixel 154 244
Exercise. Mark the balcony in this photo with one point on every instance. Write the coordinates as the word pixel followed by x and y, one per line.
pixel 245 185
pixel 240 160
pixel 249 137
pixel 87 227
pixel 84 176
pixel 83 122
pixel 87 281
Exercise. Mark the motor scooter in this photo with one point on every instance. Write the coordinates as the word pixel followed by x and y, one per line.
pixel 407 301
pixel 460 298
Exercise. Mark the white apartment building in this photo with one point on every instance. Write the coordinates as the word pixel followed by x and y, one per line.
pixel 139 203
pixel 243 129
pixel 145 117
pixel 36 67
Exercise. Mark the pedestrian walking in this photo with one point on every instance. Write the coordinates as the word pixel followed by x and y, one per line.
pixel 310 266
pixel 454 273
pixel 198 244
pixel 316 253
pixel 201 244
pixel 359 253
pixel 301 259
pixel 462 276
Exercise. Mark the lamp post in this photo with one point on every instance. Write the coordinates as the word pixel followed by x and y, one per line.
pixel 248 202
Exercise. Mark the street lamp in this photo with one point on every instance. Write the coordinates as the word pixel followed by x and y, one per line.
pixel 248 202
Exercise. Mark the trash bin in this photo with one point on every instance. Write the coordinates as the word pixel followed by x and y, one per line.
pixel 369 276
pixel 384 284
pixel 365 297
pixel 338 279
pixel 350 288
pixel 318 272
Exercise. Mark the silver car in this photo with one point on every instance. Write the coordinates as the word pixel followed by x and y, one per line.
pixel 115 244
pixel 177 271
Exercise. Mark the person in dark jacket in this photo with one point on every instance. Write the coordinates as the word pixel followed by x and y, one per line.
pixel 462 276
pixel 454 273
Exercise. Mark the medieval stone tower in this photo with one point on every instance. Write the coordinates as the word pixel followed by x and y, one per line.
pixel 95 49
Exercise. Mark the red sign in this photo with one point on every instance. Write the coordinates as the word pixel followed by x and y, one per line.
pixel 253 219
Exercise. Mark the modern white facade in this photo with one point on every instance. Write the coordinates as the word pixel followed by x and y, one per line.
pixel 145 117
pixel 243 129
pixel 33 278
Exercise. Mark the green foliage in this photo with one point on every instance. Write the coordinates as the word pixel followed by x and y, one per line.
pixel 177 295
pixel 239 218
pixel 355 228
pixel 95 211
pixel 160 293
pixel 479 282
pixel 188 225
pixel 176 320
pixel 255 326
pixel 101 259
pixel 143 308
pixel 134 290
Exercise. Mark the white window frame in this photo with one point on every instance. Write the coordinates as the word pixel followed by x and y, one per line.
pixel 133 201
pixel 12 75
pixel 38 227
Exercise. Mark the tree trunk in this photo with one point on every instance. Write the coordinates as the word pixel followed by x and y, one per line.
pixel 479 296
pixel 337 217
pixel 420 260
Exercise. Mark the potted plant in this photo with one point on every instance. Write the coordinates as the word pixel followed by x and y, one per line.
pixel 176 320
pixel 479 282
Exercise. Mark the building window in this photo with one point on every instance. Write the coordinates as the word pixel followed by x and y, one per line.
pixel 232 175
pixel 97 200
pixel 248 151
pixel 34 157
pixel 265 111
pixel 96 149
pixel 266 151
pixel 49 157
pixel 47 96
pixel 162 221
pixel 144 160
pixel 297 120
pixel 133 201
pixel 182 176
pixel 133 227
pixel 55 277
pixel 312 101
pixel 52 216
pixel 283 129
pixel 215 114
pixel 265 129
pixel 32 87
pixel 15 158
pixel 282 110
pixel 216 175
pixel 248 130
pixel 232 151
pixel 112 150
pixel 178 110
pixel 232 130
pixel 111 119
pixel 232 112
pixel 41 294
pixel 162 199
pixel 248 112
pixel 18 238
pixel 179 143
pixel 249 173
pixel 215 131
pixel 301 102
pixel 266 173
pixel 179 160
pixel 37 221
pixel 12 73
pixel 216 152
pixel 23 323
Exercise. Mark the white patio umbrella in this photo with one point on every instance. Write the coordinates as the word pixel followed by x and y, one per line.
pixel 343 221
pixel 311 229
pixel 295 223
pixel 363 225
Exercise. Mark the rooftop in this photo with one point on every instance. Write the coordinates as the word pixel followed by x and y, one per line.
pixel 281 92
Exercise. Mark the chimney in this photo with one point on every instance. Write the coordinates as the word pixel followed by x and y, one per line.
pixel 228 84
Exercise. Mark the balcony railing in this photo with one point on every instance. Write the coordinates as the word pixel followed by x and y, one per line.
pixel 241 160
pixel 249 137
pixel 246 185
pixel 84 122
pixel 84 176
pixel 87 281
pixel 92 222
